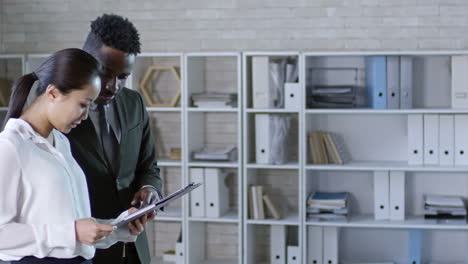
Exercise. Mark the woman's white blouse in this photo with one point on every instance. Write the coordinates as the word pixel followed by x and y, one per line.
pixel 42 192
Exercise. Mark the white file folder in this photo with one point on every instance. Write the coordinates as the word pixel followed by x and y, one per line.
pixel 180 253
pixel 431 139
pixel 261 82
pixel 459 81
pixel 262 138
pixel 415 139
pixel 461 139
pixel 393 82
pixel 381 195
pixel 406 82
pixel 293 255
pixel 197 196
pixel 315 245
pixel 397 195
pixel 278 244
pixel 330 245
pixel 446 140
pixel 216 193
pixel 292 96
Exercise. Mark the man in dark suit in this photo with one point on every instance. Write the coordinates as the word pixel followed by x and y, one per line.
pixel 115 146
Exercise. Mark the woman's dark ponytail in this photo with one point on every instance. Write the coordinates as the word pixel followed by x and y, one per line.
pixel 19 95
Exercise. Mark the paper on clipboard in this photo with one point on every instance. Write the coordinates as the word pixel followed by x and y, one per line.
pixel 161 203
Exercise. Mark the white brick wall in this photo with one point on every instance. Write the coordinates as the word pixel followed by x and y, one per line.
pixel 214 25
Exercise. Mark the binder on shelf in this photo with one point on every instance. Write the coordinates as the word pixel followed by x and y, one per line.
pixel 216 193
pixel 315 244
pixel 278 244
pixel 292 95
pixel 459 80
pixel 180 253
pixel 293 255
pixel 330 245
pixel 415 246
pixel 262 138
pixel 376 81
pixel 461 139
pixel 381 195
pixel 262 97
pixel 397 195
pixel 415 139
pixel 431 139
pixel 446 140
pixel 393 82
pixel 406 82
pixel 197 197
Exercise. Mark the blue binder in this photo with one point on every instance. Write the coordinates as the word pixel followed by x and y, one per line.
pixel 376 81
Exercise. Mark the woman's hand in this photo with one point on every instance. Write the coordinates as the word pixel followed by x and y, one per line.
pixel 89 232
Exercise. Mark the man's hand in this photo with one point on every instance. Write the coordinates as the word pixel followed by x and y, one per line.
pixel 147 196
pixel 89 232
pixel 136 226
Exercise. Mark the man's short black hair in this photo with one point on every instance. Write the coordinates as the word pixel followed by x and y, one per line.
pixel 113 31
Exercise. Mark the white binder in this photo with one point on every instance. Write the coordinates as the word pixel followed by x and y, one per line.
pixel 330 245
pixel 459 81
pixel 216 193
pixel 278 244
pixel 446 140
pixel 197 196
pixel 415 139
pixel 262 138
pixel 381 195
pixel 292 94
pixel 261 82
pixel 431 139
pixel 397 195
pixel 406 82
pixel 180 252
pixel 293 255
pixel 393 82
pixel 315 245
pixel 461 139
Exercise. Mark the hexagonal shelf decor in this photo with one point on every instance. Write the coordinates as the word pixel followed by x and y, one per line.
pixel 148 75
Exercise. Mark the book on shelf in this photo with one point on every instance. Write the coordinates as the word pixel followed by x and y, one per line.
pixel 261 206
pixel 327 148
pixel 216 154
pixel 169 256
pixel 272 209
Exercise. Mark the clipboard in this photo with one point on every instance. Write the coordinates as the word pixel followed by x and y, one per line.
pixel 161 203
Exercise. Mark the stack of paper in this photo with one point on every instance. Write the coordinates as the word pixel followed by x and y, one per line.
pixel 214 100
pixel 218 154
pixel 332 96
pixel 327 206
pixel 444 207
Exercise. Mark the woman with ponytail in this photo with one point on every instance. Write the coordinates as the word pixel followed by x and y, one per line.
pixel 44 205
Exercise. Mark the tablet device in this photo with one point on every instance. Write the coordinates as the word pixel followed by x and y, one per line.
pixel 161 203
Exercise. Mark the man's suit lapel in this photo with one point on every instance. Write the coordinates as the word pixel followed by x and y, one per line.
pixel 119 106
pixel 92 142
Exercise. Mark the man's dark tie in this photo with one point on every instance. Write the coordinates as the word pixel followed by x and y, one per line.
pixel 108 138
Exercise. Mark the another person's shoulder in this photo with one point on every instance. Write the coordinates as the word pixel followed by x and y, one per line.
pixel 130 94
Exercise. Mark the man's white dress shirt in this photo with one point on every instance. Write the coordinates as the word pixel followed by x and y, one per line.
pixel 42 192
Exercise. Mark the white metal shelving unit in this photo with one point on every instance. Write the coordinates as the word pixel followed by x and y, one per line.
pixel 214 72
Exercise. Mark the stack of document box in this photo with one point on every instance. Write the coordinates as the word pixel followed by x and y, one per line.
pixel 327 206
pixel 444 207
pixel 214 100
pixel 337 96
